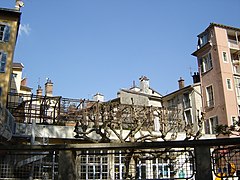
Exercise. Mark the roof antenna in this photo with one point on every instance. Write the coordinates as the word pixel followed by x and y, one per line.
pixel 190 70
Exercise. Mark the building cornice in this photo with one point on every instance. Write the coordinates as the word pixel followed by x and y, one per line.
pixel 10 12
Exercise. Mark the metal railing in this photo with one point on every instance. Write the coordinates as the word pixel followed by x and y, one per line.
pixel 226 161
pixel 196 159
pixel 7 123
pixel 28 165
pixel 233 44
pixel 26 107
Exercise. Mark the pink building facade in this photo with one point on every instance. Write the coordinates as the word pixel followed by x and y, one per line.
pixel 218 56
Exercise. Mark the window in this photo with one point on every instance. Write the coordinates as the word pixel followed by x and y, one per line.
pixel 210 98
pixel 234 120
pixel 142 169
pixel 225 59
pixel 14 75
pixel 213 124
pixel 4 32
pixel 0 91
pixel 3 58
pixel 119 167
pixel 210 125
pixel 206 63
pixel 161 169
pixel 94 165
pixel 237 87
pixel 203 40
pixel 229 84
pixel 207 127
pixel 188 117
pixel 172 103
pixel 186 100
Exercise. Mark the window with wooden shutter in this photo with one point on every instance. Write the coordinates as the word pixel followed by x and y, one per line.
pixel 3 59
pixel 4 32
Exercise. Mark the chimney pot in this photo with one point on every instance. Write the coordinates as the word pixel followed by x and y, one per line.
pixel 181 83
pixel 98 97
pixel 144 84
pixel 49 88
pixel 39 91
pixel 196 77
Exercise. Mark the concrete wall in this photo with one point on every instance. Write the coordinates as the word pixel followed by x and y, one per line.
pixel 67 132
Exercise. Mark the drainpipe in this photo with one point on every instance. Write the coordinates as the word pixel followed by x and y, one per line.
pixel 236 34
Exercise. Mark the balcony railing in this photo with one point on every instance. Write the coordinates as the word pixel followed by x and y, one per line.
pixel 7 123
pixel 233 44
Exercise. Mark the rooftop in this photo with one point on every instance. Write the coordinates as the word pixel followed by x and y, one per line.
pixel 221 26
pixel 17 65
pixel 12 12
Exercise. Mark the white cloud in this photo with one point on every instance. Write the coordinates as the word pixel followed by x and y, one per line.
pixel 24 28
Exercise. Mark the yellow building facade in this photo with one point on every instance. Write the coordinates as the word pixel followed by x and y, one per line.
pixel 9 25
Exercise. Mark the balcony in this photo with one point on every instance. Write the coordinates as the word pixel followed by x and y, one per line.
pixel 233 44
pixel 238 100
pixel 236 69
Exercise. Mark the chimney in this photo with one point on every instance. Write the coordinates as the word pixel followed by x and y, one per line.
pixel 48 88
pixel 98 97
pixel 181 83
pixel 144 84
pixel 39 91
pixel 134 84
pixel 196 78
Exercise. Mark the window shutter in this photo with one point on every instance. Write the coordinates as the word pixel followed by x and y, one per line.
pixel 3 62
pixel 6 33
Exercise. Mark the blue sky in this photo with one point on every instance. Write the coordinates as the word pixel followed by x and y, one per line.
pixel 90 46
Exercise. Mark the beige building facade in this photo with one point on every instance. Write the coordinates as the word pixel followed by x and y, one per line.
pixel 18 82
pixel 142 95
pixel 218 53
pixel 188 100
